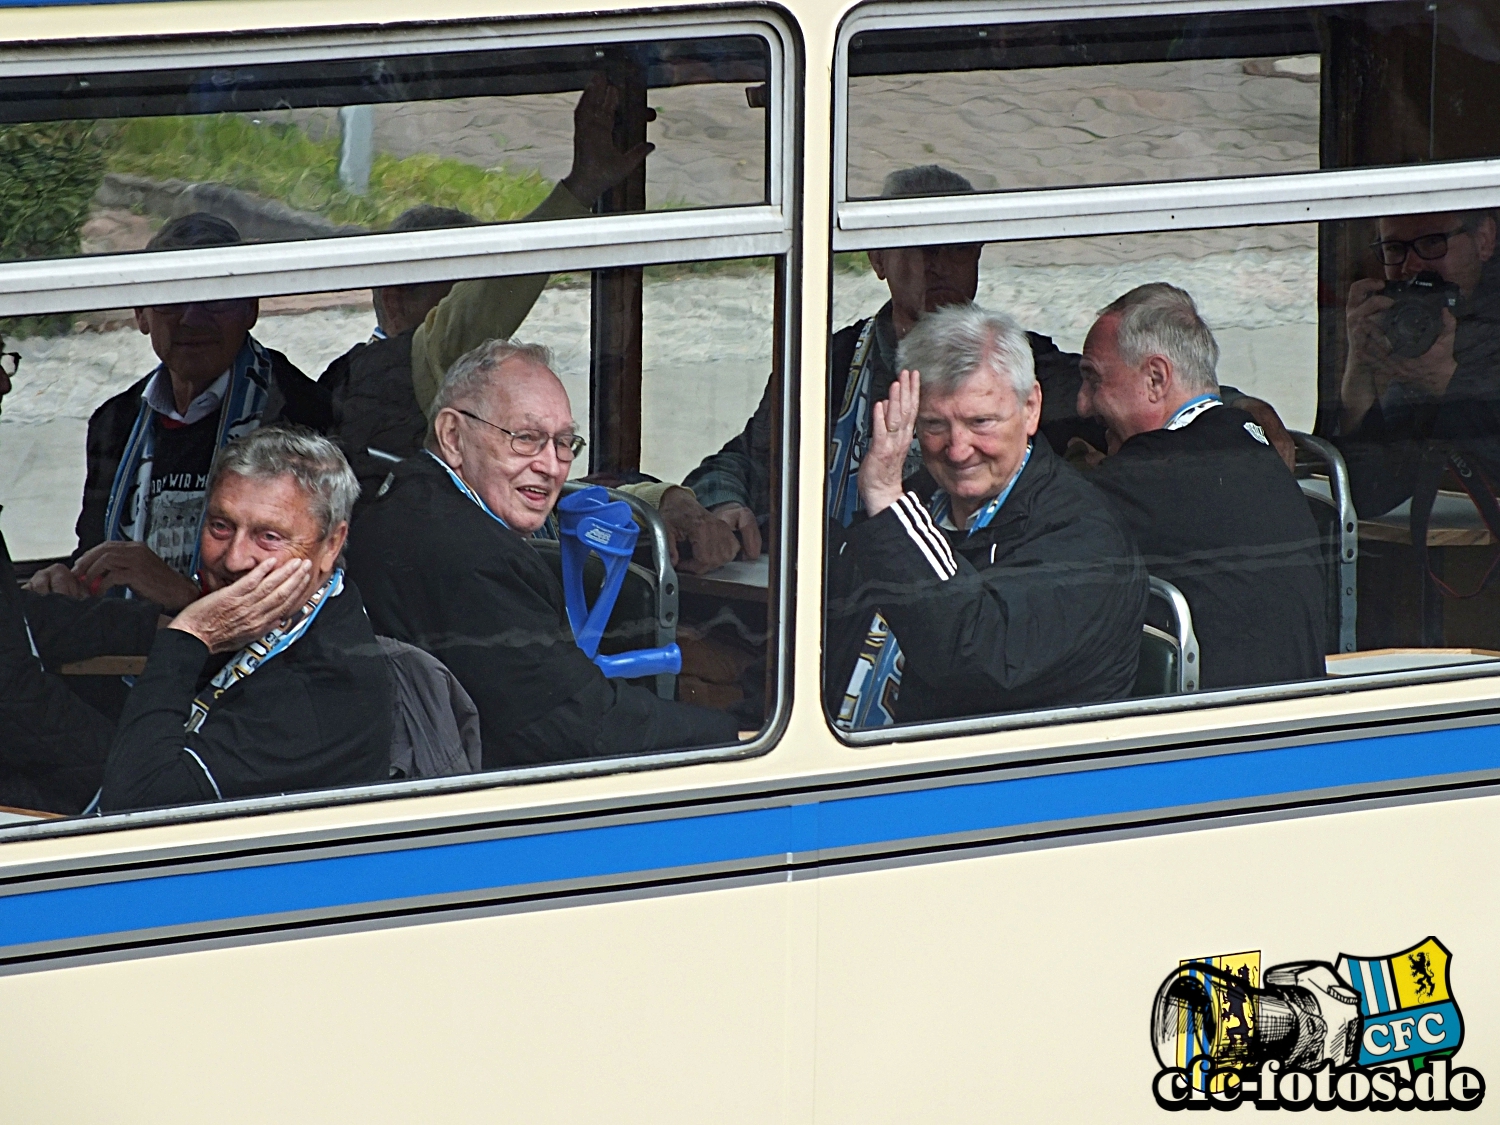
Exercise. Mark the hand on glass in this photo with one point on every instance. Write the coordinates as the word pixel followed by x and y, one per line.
pixel 689 522
pixel 742 522
pixel 598 164
pixel 890 439
pixel 128 563
pixel 230 618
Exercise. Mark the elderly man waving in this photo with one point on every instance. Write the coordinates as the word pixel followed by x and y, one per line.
pixel 443 558
pixel 1000 582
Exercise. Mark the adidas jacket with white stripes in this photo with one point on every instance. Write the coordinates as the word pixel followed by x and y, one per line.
pixel 1042 608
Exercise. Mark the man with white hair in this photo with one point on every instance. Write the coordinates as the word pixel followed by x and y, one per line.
pixel 1209 502
pixel 272 680
pixel 443 558
pixel 998 580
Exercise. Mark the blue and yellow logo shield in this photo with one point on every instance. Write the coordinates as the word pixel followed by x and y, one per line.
pixel 1406 1003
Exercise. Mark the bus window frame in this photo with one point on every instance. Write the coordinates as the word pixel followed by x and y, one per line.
pixel 364 261
pixel 1174 205
pixel 56 285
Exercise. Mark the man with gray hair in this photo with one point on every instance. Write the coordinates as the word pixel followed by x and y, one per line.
pixel 272 680
pixel 443 558
pixel 994 580
pixel 1210 504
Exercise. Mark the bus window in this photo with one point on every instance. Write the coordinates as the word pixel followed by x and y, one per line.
pixel 291 150
pixel 1104 449
pixel 427 526
pixel 1144 100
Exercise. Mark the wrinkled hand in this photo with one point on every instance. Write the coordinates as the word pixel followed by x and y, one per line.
pixel 1270 422
pixel 135 565
pixel 598 164
pixel 890 440
pixel 247 608
pixel 1081 454
pixel 690 522
pixel 57 579
pixel 742 522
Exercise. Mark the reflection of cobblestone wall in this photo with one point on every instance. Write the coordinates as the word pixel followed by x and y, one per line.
pixel 1084 125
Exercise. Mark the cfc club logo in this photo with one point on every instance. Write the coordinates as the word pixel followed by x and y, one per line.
pixel 1371 1033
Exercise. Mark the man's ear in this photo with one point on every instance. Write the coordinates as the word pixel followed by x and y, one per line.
pixel 445 435
pixel 877 263
pixel 1158 377
pixel 1484 237
pixel 1033 408
pixel 333 546
pixel 143 322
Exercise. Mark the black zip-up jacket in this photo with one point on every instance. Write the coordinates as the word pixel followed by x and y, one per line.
pixel 1042 608
pixel 1217 515
pixel 293 398
pixel 318 714
pixel 374 406
pixel 439 573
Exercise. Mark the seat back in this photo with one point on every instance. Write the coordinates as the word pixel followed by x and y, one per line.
pixel 1332 507
pixel 1169 660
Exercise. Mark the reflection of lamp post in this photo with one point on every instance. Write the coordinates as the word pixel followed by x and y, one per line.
pixel 356 147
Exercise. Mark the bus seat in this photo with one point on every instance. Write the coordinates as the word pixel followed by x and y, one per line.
pixel 1169 663
pixel 645 613
pixel 1332 506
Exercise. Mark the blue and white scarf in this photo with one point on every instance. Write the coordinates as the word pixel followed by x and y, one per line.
pixel 128 515
pixel 870 699
pixel 1189 410
pixel 256 653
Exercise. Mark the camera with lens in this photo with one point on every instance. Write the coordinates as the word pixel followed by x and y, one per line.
pixel 1415 321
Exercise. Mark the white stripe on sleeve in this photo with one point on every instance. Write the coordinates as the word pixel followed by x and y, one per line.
pixel 205 769
pixel 926 536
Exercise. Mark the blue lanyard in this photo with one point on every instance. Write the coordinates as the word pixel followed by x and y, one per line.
pixel 458 483
pixel 942 506
pixel 1190 410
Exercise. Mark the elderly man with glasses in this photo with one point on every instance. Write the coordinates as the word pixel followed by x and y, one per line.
pixel 1400 412
pixel 443 559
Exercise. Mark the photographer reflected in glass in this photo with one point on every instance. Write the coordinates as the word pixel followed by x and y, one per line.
pixel 1423 364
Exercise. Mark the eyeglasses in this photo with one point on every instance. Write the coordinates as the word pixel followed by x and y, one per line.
pixel 1429 247
pixel 528 443
pixel 10 363
pixel 213 308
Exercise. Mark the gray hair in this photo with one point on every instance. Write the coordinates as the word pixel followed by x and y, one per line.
pixel 953 343
pixel 470 376
pixel 1161 319
pixel 924 179
pixel 312 460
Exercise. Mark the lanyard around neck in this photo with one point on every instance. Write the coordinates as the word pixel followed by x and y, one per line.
pixel 1191 409
pixel 942 504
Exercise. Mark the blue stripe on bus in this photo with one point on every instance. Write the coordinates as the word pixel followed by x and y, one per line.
pixel 902 818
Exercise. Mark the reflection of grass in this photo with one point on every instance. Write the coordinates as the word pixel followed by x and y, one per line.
pixel 282 162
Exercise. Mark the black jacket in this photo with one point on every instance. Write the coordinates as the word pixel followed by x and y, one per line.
pixel 1042 608
pixel 374 405
pixel 316 715
pixel 741 471
pixel 437 572
pixel 293 398
pixel 1385 452
pixel 1216 514
pixel 52 743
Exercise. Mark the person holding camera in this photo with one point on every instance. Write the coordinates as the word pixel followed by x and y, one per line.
pixel 1423 363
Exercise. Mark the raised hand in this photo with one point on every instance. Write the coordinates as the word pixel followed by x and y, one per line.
pixel 598 164
pixel 247 608
pixel 890 439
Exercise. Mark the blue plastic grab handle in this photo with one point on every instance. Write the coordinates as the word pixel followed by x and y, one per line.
pixel 589 521
pixel 641 662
